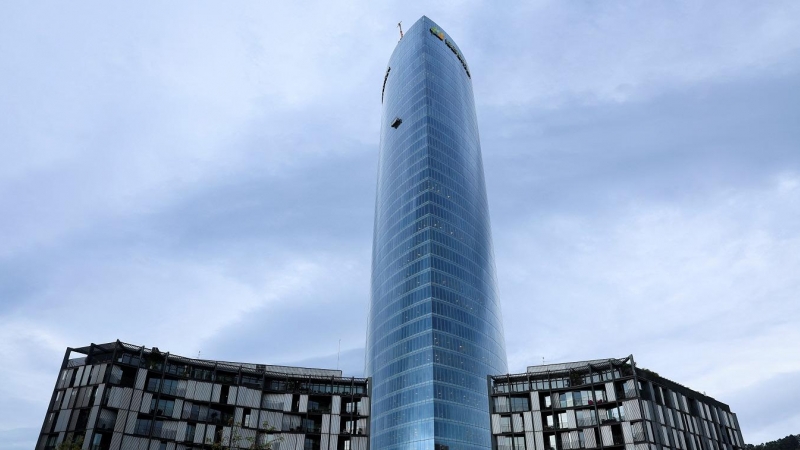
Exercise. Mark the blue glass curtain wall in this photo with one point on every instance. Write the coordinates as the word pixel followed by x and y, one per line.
pixel 435 330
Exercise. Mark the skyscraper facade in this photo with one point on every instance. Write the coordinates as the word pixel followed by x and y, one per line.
pixel 435 331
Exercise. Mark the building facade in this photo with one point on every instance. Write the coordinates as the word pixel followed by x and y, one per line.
pixel 435 330
pixel 606 404
pixel 117 396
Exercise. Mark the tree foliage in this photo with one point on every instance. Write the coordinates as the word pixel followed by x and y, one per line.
pixel 790 442
pixel 236 441
pixel 71 444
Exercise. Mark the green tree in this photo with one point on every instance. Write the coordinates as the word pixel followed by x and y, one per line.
pixel 71 443
pixel 237 441
pixel 790 442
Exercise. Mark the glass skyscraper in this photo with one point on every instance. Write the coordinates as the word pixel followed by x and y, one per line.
pixel 435 331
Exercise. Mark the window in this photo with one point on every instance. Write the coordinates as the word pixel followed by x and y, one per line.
pixel 201 374
pixel 251 380
pixel 93 396
pixel 175 369
pixel 585 417
pixel 190 428
pixel 505 424
pixel 501 405
pixel 162 407
pixel 562 420
pixel 142 426
pixel 520 386
pixel 51 442
pixel 600 396
pixel 520 404
pixel 226 378
pixel 83 418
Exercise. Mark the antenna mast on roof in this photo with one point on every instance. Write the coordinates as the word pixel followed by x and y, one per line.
pixel 400 25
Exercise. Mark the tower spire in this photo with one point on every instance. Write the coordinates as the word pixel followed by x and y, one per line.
pixel 400 25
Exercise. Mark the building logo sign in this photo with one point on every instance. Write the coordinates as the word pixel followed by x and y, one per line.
pixel 440 34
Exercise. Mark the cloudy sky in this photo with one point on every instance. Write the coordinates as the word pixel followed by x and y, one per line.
pixel 201 177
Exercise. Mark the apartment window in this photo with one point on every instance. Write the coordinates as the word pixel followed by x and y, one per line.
pixel 520 404
pixel 175 369
pixel 190 429
pixel 127 358
pixel 548 421
pixel 520 386
pixel 51 442
pixel 569 399
pixel 226 378
pixel 505 424
pixel 251 380
pixel 153 384
pixel 246 420
pixel 93 396
pixel 142 427
pixel 162 407
pixel 83 418
pixel 202 374
pixel 600 396
pixel 276 385
pixel 504 443
pixel 585 417
pixel 562 420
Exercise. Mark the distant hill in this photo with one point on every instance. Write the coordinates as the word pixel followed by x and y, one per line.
pixel 790 442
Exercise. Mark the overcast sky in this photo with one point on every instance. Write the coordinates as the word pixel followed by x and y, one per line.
pixel 201 178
